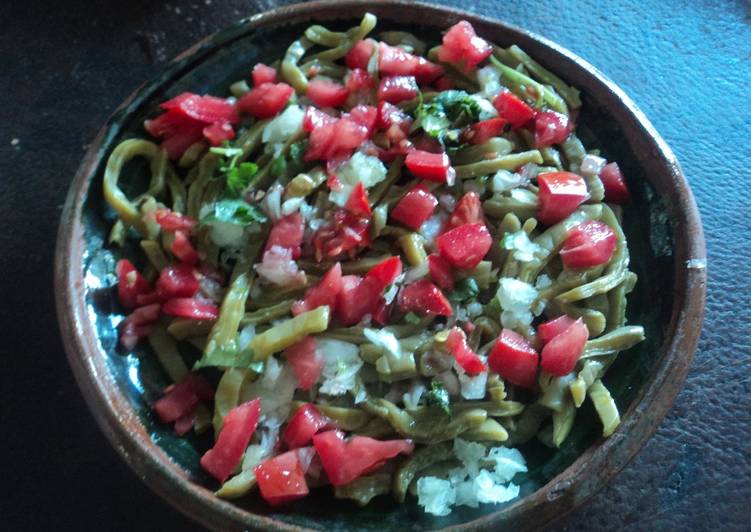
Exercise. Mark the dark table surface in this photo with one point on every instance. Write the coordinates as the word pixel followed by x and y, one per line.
pixel 65 66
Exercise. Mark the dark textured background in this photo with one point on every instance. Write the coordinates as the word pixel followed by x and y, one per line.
pixel 65 65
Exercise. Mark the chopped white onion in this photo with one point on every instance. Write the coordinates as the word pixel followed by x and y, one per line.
pixel 341 364
pixel 246 335
pixel 473 387
pixel 291 205
pixel 591 165
pixel 272 202
pixel 436 495
pixel 359 168
pixel 489 80
pixel 277 267
pixel 503 181
pixel 284 126
pixel 523 248
pixel 516 299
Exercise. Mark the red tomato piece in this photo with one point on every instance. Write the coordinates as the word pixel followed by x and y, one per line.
pixel 305 360
pixel 359 296
pixel 360 54
pixel 177 130
pixel 266 100
pixel 365 115
pixel 138 324
pixel 390 115
pixel 430 166
pixel 183 249
pixel 440 272
pixel 465 246
pixel 324 293
pixel 179 400
pixel 176 144
pixel 218 132
pixel 560 193
pixel 445 83
pixel 336 139
pixel 304 423
pixel 345 460
pixel 174 221
pixel 462 45
pixel 344 234
pixel 357 203
pixel 514 359
pixel 263 74
pixel 550 329
pixel 551 128
pixel 130 283
pixel 176 101
pixel 281 479
pixel 287 233
pixel 315 118
pixel 484 130
pixel 614 183
pixel 414 208
pixel 423 297
pixel 325 93
pixel 208 109
pixel 588 244
pixel 386 271
pixel 190 308
pixel 178 280
pixel 396 89
pixel 468 210
pixel 381 313
pixel 394 61
pixel 358 80
pixel 513 109
pixel 239 425
pixel 469 361
pixel 560 354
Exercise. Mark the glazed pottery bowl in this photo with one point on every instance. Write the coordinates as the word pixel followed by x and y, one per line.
pixel 662 225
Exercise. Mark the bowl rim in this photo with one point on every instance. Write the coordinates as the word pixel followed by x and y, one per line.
pixel 582 479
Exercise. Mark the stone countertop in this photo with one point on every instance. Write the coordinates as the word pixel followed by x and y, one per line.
pixel 66 65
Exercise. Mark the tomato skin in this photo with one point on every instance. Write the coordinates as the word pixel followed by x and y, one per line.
pixel 560 193
pixel 287 232
pixel 306 362
pixel 590 243
pixel 414 208
pixel 130 283
pixel 324 293
pixel 239 425
pixel 325 93
pixel 281 479
pixel 430 166
pixel 174 221
pixel 394 61
pixel 468 210
pixel 303 425
pixel 190 308
pixel 360 54
pixel 551 128
pixel 514 359
pixel 483 131
pixel 359 296
pixel 464 247
pixel 183 249
pixel 513 109
pixel 462 45
pixel 440 272
pixel 344 461
pixel 614 183
pixel 385 272
pixel 263 74
pixel 265 100
pixel 469 361
pixel 396 89
pixel 560 354
pixel 548 330
pixel 178 280
pixel 138 324
pixel 425 298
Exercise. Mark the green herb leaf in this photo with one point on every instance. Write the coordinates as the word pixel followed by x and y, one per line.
pixel 278 166
pixel 443 117
pixel 234 211
pixel 239 177
pixel 438 396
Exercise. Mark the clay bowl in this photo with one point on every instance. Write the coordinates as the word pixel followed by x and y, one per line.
pixel 662 224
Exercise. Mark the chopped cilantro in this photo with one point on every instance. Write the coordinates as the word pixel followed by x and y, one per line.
pixel 234 211
pixel 239 177
pixel 443 117
pixel 438 396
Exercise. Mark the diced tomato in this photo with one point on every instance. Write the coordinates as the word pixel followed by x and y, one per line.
pixel 176 101
pixel 305 360
pixel 414 208
pixel 483 131
pixel 287 233
pixel 183 249
pixel 303 424
pixel 465 246
pixel 445 83
pixel 358 79
pixel 560 354
pixel 440 272
pixel 265 100
pixel 461 45
pixel 344 234
pixel 357 203
pixel 201 387
pixel 588 244
pixel 130 283
pixel 325 93
pixel 281 479
pixel 184 424
pixel 431 166
pixel 394 61
pixel 548 330
pixel 315 118
pixel 263 74
pixel 390 115
pixel 208 109
pixel 468 210
pixel 560 193
pixel 179 400
pixel 425 298
pixel 147 299
pixel 359 296
pixel 360 54
pixel 513 109
pixel 514 359
pixel 178 280
pixel 324 293
pixel 469 361
pixel 170 123
pixel 239 425
pixel 551 128
pixel 218 132
pixel 396 89
pixel 614 183
pixel 138 324
pixel 365 115
pixel 386 271
pixel 174 221
pixel 381 313
pixel 176 144
pixel 336 139
pixel 190 308
pixel 345 460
